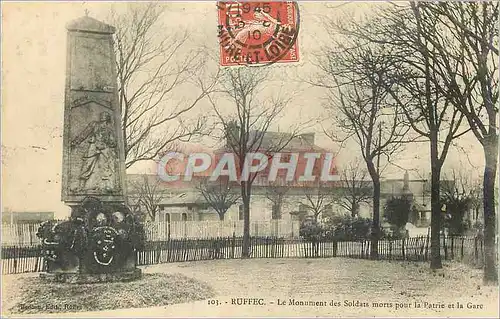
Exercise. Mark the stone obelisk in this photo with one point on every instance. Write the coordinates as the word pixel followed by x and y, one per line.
pixel 99 241
pixel 93 160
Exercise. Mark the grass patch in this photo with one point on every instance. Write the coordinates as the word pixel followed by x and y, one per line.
pixel 151 290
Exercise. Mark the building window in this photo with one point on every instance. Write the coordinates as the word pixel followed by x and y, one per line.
pixel 302 208
pixel 302 212
pixel 241 211
pixel 167 217
pixel 184 217
pixel 280 179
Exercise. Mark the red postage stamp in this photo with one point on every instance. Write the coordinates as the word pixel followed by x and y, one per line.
pixel 258 33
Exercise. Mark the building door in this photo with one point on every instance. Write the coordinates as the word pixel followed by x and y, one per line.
pixel 276 212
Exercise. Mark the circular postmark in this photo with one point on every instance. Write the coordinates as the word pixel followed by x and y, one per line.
pixel 258 33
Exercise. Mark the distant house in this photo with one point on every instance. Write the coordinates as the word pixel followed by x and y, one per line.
pixel 182 201
pixel 26 217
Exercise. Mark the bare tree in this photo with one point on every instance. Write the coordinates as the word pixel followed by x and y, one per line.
pixel 245 128
pixel 354 189
pixel 219 195
pixel 420 91
pixel 462 187
pixel 357 77
pixel 276 194
pixel 148 194
pixel 465 40
pixel 318 200
pixel 150 67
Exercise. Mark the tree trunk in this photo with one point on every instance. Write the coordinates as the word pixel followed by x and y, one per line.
pixel 245 196
pixel 375 234
pixel 376 219
pixel 435 208
pixel 221 216
pixel 434 127
pixel 490 268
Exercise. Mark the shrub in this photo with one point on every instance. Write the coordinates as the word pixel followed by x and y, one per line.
pixel 311 230
pixel 397 211
pixel 454 219
pixel 347 228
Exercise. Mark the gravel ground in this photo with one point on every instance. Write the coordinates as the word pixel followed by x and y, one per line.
pixel 350 285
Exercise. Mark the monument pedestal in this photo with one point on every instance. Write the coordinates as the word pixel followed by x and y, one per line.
pixel 97 244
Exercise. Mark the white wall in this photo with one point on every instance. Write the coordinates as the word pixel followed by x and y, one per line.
pixel 261 209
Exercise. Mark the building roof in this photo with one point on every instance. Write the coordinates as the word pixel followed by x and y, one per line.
pixel 272 140
pixel 303 142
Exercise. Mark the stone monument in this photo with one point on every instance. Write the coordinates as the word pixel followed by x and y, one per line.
pixel 99 241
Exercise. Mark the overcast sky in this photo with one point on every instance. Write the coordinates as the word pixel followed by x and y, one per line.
pixel 33 74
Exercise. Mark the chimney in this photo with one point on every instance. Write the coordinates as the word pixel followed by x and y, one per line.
pixel 308 138
pixel 406 183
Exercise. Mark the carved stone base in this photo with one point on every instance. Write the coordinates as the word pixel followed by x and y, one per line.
pixel 82 278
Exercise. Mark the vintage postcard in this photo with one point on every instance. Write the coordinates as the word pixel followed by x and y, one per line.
pixel 249 159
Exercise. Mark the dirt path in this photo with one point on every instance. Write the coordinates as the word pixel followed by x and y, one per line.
pixel 337 286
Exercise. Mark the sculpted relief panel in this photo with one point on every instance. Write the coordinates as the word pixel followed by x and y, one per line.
pixel 93 151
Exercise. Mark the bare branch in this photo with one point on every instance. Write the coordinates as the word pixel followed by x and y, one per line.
pixel 151 67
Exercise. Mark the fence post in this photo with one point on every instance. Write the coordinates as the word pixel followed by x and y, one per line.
pixel 30 229
pixel 452 247
pixel 481 241
pixel 158 251
pixel 267 246
pixel 233 245
pixel 390 248
pixel 403 248
pixel 476 255
pixel 363 248
pixel 36 260
pixel 445 247
pixel 462 249
pixel 16 256
pixel 422 256
pixel 427 239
